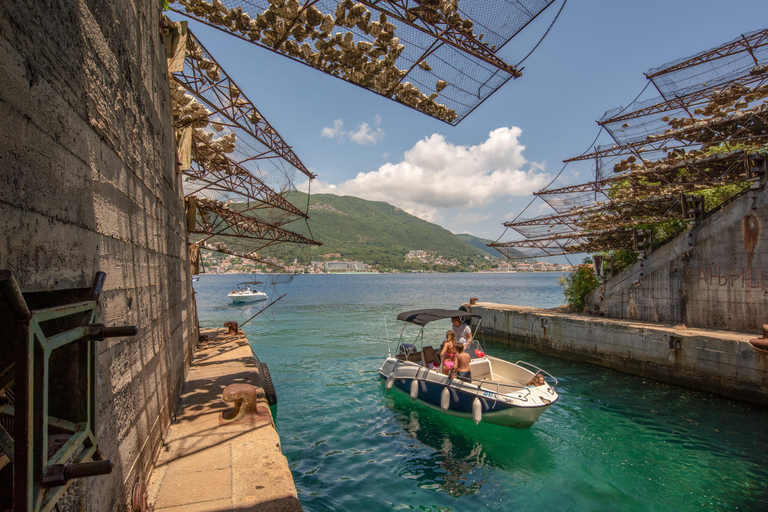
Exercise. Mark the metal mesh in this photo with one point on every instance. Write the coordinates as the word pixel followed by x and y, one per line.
pixel 700 135
pixel 438 57
pixel 712 68
pixel 237 156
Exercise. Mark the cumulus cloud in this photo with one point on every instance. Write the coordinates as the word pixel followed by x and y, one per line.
pixel 363 134
pixel 436 175
pixel 334 131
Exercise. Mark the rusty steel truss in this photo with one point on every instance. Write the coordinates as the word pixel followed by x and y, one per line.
pixel 238 172
pixel 708 129
pixel 436 56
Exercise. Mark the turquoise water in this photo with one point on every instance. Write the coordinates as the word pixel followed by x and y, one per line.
pixel 612 441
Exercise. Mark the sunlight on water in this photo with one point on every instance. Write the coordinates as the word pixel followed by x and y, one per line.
pixel 612 441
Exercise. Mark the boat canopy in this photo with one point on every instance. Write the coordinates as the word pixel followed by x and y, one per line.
pixel 250 282
pixel 424 316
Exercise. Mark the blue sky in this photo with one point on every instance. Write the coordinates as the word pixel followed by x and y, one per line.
pixel 473 177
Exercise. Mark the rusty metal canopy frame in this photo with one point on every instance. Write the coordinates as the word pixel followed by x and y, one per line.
pixel 216 222
pixel 699 135
pixel 435 56
pixel 236 166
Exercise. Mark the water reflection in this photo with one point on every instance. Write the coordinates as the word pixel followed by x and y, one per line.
pixel 462 451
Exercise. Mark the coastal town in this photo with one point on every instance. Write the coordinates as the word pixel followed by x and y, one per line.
pixel 333 263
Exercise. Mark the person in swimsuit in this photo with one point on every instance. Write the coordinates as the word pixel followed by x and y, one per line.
pixel 461 369
pixel 448 353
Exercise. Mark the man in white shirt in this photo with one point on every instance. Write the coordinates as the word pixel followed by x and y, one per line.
pixel 462 330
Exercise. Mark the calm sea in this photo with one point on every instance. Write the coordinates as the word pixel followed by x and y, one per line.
pixel 612 441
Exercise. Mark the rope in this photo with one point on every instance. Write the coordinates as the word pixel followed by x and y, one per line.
pixel 545 34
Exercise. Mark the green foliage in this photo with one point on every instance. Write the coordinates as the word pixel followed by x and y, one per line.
pixel 577 284
pixel 165 5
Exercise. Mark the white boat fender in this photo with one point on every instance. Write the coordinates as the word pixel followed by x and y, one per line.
pixel 390 381
pixel 445 399
pixel 414 389
pixel 477 411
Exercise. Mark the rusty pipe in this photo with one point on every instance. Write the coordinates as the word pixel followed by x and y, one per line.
pixel 11 293
pixel 98 284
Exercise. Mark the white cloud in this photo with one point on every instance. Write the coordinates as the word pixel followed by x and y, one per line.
pixel 436 175
pixel 334 131
pixel 363 135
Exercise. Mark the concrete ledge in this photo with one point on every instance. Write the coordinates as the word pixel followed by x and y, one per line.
pixel 205 466
pixel 720 362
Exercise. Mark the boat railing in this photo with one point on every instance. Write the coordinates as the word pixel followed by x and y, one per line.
pixel 530 366
pixel 481 384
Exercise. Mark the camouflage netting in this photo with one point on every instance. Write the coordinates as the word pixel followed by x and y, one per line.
pixel 236 166
pixel 436 56
pixel 665 149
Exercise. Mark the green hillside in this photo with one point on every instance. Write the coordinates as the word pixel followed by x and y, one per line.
pixel 373 232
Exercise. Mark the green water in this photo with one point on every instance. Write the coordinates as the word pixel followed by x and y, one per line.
pixel 612 441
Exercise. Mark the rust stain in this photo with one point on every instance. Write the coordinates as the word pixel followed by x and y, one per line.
pixel 751 235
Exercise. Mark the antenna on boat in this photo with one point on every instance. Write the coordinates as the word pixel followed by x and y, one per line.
pixel 386 330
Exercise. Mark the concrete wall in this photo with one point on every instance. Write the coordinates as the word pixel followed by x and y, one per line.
pixel 721 362
pixel 88 177
pixel 715 275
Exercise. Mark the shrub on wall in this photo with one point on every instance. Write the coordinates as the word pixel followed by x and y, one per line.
pixel 577 284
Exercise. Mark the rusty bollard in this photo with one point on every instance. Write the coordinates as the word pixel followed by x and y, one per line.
pixel 232 326
pixel 245 401
pixel 761 343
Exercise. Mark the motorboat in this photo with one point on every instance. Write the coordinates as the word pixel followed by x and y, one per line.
pixel 195 278
pixel 245 293
pixel 497 392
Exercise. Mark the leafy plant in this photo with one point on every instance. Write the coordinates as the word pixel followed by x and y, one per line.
pixel 577 284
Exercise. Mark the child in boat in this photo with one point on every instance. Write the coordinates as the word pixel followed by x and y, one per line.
pixel 461 370
pixel 537 380
pixel 448 353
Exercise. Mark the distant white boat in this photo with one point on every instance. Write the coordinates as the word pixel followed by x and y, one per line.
pixel 195 278
pixel 244 293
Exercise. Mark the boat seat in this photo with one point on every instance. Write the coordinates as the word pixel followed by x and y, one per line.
pixel 413 357
pixel 428 355
pixel 481 369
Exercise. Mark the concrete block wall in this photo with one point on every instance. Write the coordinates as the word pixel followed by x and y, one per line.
pixel 721 362
pixel 87 168
pixel 714 275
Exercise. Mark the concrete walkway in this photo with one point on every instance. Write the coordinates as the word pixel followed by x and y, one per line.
pixel 206 466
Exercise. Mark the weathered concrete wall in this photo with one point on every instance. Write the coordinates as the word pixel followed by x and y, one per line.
pixel 715 275
pixel 721 362
pixel 89 183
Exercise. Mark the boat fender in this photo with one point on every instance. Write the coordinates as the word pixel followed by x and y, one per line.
pixel 479 353
pixel 445 399
pixel 390 381
pixel 477 411
pixel 414 389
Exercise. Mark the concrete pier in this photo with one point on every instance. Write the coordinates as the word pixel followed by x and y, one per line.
pixel 721 362
pixel 211 463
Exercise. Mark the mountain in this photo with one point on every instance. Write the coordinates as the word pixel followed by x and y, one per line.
pixel 373 232
pixel 481 243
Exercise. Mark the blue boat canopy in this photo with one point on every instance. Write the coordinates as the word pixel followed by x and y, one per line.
pixel 424 316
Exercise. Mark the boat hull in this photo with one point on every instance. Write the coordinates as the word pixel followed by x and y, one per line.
pixel 518 410
pixel 253 297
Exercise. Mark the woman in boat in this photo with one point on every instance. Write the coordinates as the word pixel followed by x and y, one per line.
pixel 448 353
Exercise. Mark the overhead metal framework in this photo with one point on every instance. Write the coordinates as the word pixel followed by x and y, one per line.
pixel 708 129
pixel 238 171
pixel 436 56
